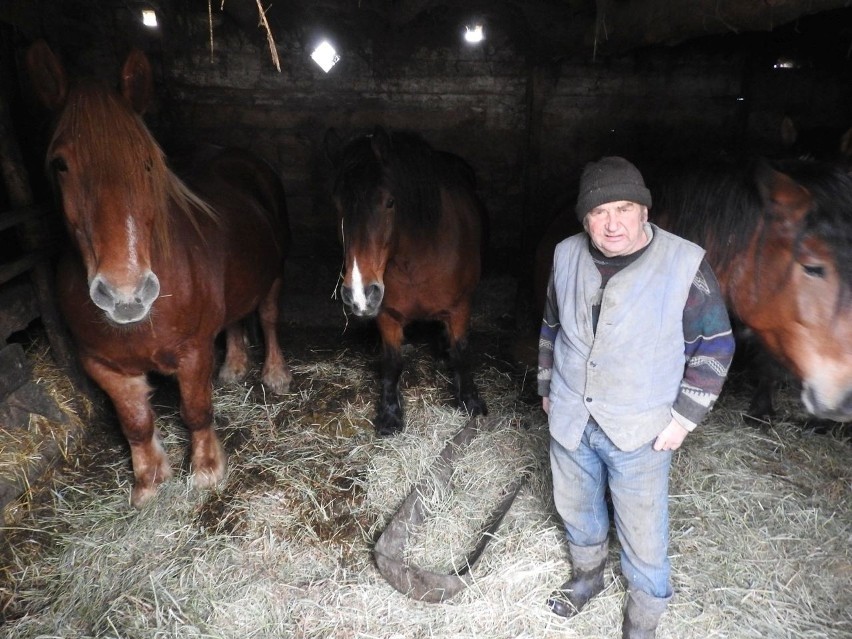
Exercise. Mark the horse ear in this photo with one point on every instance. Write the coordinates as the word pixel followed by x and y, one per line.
pixel 137 83
pixel 380 142
pixel 332 145
pixel 47 74
pixel 788 132
pixel 787 201
pixel 846 144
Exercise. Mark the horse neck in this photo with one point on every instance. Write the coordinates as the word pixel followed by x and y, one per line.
pixel 185 210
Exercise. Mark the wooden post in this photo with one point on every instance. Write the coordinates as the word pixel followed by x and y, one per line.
pixel 34 236
pixel 541 83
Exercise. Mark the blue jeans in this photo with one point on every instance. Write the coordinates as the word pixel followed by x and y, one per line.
pixel 639 485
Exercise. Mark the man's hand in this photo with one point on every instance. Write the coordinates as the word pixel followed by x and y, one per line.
pixel 672 436
pixel 545 404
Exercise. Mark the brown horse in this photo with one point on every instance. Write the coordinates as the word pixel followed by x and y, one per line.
pixel 779 238
pixel 158 268
pixel 411 226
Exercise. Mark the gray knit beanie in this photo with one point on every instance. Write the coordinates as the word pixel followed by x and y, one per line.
pixel 611 179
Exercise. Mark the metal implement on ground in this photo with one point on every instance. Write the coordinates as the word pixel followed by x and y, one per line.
pixel 389 552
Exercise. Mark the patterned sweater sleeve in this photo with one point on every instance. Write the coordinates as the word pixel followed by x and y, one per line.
pixel 547 339
pixel 708 348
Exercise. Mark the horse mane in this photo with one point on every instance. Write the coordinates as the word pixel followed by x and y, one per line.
pixel 120 149
pixel 414 172
pixel 718 206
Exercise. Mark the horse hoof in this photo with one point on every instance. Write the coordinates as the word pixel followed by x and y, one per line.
pixel 233 375
pixel 278 383
pixel 141 495
pixel 387 427
pixel 474 406
pixel 207 478
pixel 209 461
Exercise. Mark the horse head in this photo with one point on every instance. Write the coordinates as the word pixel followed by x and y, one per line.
pixel 799 301
pixel 367 211
pixel 110 177
pixel 388 194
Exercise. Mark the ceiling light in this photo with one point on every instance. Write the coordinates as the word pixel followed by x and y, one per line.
pixel 474 34
pixel 325 56
pixel 786 63
pixel 149 18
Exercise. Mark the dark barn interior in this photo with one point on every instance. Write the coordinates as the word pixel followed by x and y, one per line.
pixel 554 84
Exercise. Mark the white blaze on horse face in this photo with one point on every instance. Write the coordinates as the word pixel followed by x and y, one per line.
pixel 126 275
pixel 359 299
pixel 125 288
pixel 132 243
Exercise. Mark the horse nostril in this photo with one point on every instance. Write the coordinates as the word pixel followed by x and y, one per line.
pixel 346 295
pixel 101 293
pixel 374 294
pixel 149 290
pixel 102 290
pixel 847 407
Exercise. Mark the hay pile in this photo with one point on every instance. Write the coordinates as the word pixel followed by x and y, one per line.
pixel 760 520
pixel 28 449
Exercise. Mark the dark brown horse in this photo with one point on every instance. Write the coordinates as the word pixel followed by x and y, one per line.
pixel 411 226
pixel 779 238
pixel 159 266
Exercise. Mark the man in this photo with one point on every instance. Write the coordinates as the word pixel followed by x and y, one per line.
pixel 635 347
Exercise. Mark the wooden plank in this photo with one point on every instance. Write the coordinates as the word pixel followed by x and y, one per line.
pixel 29 399
pixel 14 369
pixel 18 308
pixel 32 235
pixel 21 265
pixel 21 215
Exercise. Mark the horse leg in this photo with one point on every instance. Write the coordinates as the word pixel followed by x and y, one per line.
pixel 236 364
pixel 467 394
pixel 130 397
pixel 276 374
pixel 769 375
pixel 389 416
pixel 194 375
pixel 762 404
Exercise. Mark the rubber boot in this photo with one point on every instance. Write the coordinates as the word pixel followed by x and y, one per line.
pixel 586 581
pixel 642 614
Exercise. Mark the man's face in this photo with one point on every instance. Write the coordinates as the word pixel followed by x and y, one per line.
pixel 616 228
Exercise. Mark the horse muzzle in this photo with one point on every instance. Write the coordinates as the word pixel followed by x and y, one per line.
pixel 837 407
pixel 123 306
pixel 363 301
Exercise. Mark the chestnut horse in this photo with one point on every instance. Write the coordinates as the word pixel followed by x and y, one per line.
pixel 411 226
pixel 779 238
pixel 159 268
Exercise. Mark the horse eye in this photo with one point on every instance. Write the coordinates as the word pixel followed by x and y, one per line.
pixel 814 271
pixel 390 203
pixel 58 164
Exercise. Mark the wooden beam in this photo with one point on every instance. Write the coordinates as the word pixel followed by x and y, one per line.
pixel 620 26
